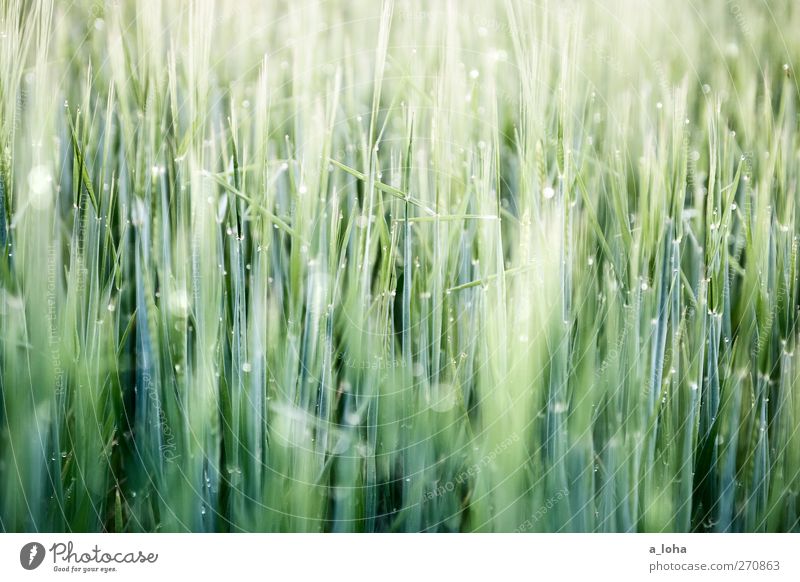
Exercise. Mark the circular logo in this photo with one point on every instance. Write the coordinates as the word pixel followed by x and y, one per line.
pixel 31 555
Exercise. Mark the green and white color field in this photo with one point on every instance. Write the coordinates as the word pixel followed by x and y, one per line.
pixel 351 265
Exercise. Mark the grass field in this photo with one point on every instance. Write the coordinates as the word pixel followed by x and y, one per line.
pixel 328 265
